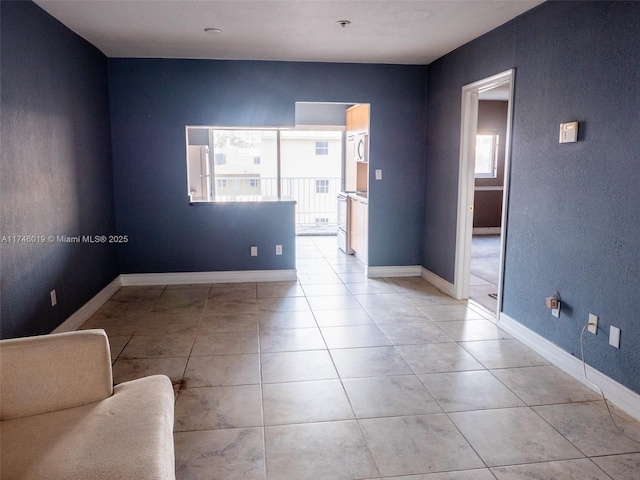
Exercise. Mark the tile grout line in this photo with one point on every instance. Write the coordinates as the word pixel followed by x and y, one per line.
pixel 344 391
pixel 264 427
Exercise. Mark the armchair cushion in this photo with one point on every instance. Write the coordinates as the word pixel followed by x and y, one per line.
pixel 126 436
pixel 52 372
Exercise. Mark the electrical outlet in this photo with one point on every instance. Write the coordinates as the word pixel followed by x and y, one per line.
pixel 278 249
pixel 593 324
pixel 54 298
pixel 614 336
pixel 553 303
pixel 254 251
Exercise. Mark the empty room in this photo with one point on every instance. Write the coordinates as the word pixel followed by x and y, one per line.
pixel 319 239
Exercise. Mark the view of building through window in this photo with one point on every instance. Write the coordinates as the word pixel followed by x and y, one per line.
pixel 322 147
pixel 232 165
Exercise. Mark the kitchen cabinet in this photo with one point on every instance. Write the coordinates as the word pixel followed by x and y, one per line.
pixel 357 180
pixel 356 173
pixel 358 119
pixel 362 176
pixel 350 124
pixel 359 226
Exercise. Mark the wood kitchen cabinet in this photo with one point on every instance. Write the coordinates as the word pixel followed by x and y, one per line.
pixel 356 180
pixel 359 226
pixel 356 175
pixel 358 119
pixel 350 120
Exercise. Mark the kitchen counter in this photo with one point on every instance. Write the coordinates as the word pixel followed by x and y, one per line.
pixel 244 199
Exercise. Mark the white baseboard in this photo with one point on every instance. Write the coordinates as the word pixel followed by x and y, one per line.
pixel 141 279
pixel 616 393
pixel 397 271
pixel 83 313
pixel 438 282
pixel 181 278
pixel 487 231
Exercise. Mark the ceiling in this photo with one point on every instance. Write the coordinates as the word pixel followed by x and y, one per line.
pixel 392 31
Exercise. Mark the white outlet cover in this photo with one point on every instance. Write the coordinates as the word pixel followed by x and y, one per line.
pixel 254 251
pixel 278 249
pixel 569 132
pixel 378 174
pixel 614 336
pixel 593 324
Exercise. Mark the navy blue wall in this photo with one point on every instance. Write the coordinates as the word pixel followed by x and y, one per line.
pixel 56 170
pixel 153 100
pixel 573 222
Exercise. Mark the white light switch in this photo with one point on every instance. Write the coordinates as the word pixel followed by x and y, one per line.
pixel 614 336
pixel 569 132
pixel 378 174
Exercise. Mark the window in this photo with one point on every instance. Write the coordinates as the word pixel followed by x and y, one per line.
pixel 239 165
pixel 322 186
pixel 228 165
pixel 487 156
pixel 322 147
pixel 322 221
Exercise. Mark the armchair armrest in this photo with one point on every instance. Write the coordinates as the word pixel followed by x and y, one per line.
pixel 52 372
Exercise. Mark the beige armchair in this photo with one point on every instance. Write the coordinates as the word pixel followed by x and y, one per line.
pixel 61 417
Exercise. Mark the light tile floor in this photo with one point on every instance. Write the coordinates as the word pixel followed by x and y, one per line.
pixel 337 376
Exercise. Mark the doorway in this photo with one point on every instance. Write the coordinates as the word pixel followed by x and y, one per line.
pixel 483 184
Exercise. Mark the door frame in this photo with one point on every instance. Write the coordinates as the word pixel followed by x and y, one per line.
pixel 466 181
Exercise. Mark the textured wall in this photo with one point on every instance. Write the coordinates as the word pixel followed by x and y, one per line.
pixel 573 221
pixel 321 113
pixel 485 56
pixel 56 170
pixel 153 100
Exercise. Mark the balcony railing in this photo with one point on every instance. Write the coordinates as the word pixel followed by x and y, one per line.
pixel 316 198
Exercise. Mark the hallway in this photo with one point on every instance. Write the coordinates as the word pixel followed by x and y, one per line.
pixel 485 266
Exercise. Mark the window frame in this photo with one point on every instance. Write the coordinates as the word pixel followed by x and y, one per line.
pixel 322 186
pixel 322 147
pixel 222 156
pixel 268 192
